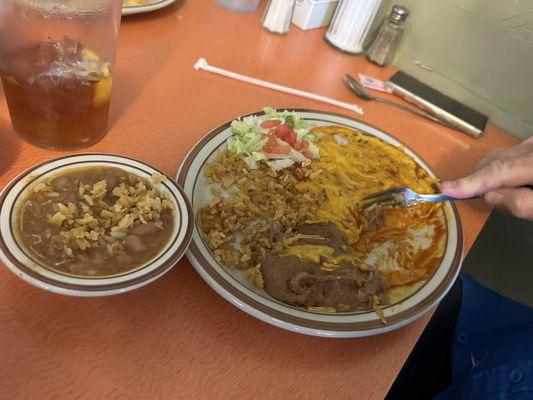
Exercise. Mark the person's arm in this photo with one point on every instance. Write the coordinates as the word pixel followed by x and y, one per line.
pixel 501 177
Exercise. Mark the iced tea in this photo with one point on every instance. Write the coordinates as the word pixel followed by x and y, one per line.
pixel 58 93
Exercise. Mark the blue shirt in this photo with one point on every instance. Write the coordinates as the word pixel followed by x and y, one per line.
pixel 492 356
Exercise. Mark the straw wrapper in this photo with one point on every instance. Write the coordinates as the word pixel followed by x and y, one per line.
pixel 202 64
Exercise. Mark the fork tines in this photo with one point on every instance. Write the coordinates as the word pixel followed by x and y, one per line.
pixel 389 196
pixel 384 193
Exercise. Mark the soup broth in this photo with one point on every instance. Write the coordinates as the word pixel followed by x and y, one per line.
pixel 95 222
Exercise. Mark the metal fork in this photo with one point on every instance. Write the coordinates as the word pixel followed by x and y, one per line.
pixel 404 196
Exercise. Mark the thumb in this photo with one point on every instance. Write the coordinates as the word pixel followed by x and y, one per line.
pixel 464 187
pixel 517 201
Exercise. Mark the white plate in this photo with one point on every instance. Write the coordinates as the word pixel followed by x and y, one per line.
pixel 235 288
pixel 151 5
pixel 16 259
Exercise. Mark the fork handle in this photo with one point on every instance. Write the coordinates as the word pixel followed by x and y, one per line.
pixel 443 197
pixel 435 198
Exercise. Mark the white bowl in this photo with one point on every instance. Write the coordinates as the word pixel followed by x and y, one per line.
pixel 16 258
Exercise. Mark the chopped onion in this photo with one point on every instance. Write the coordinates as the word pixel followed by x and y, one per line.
pixel 250 162
pixel 280 164
pixel 282 142
pixel 297 156
pixel 341 141
pixel 273 156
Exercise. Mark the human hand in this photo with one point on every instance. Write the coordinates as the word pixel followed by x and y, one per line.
pixel 500 177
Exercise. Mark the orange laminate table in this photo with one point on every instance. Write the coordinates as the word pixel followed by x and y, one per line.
pixel 176 338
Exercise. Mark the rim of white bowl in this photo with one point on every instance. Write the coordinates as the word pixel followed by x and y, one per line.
pixel 17 259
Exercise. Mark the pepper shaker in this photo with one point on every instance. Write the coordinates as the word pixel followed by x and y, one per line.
pixel 382 50
pixel 350 24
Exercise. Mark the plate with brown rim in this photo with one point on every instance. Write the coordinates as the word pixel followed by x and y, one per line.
pixel 235 288
pixel 143 6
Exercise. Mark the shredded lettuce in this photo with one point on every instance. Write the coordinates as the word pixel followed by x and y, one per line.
pixel 246 137
pixel 313 149
pixel 301 133
pixel 258 155
pixel 248 140
pixel 289 117
pixel 310 138
pixel 270 113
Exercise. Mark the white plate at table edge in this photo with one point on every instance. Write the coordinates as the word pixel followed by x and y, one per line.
pixel 237 291
pixel 142 8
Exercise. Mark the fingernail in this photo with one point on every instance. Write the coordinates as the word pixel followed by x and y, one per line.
pixel 493 198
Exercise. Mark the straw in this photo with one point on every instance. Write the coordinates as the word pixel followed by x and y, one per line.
pixel 202 64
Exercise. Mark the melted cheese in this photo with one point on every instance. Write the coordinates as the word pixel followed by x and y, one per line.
pixel 309 252
pixel 367 165
pixel 318 254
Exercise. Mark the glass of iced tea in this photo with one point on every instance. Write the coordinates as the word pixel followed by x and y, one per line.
pixel 57 68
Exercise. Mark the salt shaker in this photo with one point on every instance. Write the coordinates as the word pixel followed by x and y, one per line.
pixel 350 24
pixel 386 43
pixel 278 15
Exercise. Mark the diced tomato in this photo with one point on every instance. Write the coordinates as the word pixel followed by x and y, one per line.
pixel 283 130
pixel 308 154
pixel 291 138
pixel 272 140
pixel 278 149
pixel 304 144
pixel 271 123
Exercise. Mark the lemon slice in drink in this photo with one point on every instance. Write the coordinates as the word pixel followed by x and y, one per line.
pixel 102 91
